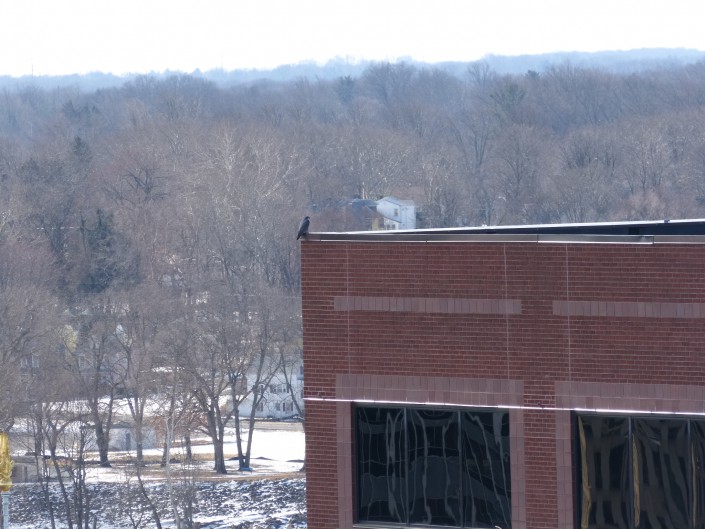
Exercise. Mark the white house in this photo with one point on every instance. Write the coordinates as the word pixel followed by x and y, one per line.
pixel 277 401
pixel 398 214
pixel 122 436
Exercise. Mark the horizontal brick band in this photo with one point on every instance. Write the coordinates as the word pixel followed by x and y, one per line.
pixel 632 397
pixel 629 309
pixel 439 390
pixel 428 305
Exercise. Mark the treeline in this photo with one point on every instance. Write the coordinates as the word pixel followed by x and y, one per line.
pixel 150 228
pixel 564 145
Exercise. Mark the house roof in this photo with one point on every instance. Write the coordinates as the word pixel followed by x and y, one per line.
pixel 398 201
pixel 356 214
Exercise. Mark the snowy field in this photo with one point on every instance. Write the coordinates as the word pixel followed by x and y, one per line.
pixel 271 495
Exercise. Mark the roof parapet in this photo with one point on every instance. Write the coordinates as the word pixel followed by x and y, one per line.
pixel 645 232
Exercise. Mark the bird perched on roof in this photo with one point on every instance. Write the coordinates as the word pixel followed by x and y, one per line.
pixel 303 229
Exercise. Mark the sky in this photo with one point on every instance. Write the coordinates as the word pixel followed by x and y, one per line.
pixel 58 37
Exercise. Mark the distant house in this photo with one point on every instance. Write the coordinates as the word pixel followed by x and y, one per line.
pixel 398 214
pixel 358 214
pixel 350 215
pixel 277 401
pixel 122 436
pixel 24 469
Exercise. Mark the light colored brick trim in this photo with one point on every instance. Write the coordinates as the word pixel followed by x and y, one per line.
pixel 629 309
pixel 427 305
pixel 630 397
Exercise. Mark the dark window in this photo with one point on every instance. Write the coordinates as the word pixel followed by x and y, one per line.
pixel 433 466
pixel 640 472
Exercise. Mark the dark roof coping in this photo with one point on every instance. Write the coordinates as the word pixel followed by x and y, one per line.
pixel 644 232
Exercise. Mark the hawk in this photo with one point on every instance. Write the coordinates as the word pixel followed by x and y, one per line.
pixel 303 229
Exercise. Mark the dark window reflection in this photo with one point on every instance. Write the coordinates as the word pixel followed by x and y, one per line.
pixel 697 454
pixel 435 467
pixel 603 472
pixel 660 473
pixel 381 463
pixel 486 478
pixel 640 472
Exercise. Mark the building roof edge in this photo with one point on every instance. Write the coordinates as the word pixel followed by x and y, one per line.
pixel 641 232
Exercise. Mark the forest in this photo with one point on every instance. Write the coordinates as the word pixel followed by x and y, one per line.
pixel 148 231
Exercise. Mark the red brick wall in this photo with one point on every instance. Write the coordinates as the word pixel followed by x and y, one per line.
pixel 594 326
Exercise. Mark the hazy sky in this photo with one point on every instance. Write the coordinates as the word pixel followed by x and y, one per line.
pixel 48 37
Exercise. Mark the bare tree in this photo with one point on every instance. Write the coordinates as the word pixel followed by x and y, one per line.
pixel 519 165
pixel 29 321
pixel 210 385
pixel 582 181
pixel 139 333
pixel 648 156
pixel 63 434
pixel 91 353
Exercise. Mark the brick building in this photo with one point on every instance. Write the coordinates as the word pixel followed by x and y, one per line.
pixel 523 377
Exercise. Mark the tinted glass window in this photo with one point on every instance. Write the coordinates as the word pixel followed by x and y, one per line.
pixel 660 471
pixel 434 467
pixel 603 472
pixel 486 477
pixel 640 472
pixel 381 455
pixel 697 447
pixel 429 466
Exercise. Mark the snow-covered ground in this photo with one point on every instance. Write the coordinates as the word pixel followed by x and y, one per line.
pixel 271 495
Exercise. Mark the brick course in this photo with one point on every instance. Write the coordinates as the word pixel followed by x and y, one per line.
pixel 539 328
